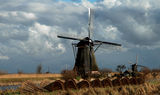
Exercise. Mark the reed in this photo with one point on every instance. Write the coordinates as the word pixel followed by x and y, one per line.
pixel 146 89
pixel 94 87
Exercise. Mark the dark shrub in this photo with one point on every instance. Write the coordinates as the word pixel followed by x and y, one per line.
pixel 156 70
pixel 68 74
pixel 145 71
pixel 3 72
pixel 19 71
pixel 105 72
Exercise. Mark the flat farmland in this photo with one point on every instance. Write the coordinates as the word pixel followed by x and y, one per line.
pixel 17 79
pixel 30 76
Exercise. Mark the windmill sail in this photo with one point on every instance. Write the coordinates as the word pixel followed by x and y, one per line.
pixel 90 16
pixel 71 38
pixel 109 43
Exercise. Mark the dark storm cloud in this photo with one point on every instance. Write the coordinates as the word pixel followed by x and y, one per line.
pixel 138 26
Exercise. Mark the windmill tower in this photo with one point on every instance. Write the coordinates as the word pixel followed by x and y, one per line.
pixel 85 61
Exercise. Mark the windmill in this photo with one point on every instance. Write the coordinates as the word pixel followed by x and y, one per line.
pixel 85 61
pixel 134 66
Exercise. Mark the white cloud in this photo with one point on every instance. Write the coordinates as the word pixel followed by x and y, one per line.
pixel 43 40
pixel 112 33
pixel 87 4
pixel 111 3
pixel 37 6
pixel 61 48
pixel 4 57
pixel 43 29
pixel 17 15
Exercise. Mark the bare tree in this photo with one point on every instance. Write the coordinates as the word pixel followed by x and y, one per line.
pixel 39 69
pixel 19 71
pixel 120 68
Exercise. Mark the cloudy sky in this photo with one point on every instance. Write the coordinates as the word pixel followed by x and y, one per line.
pixel 29 29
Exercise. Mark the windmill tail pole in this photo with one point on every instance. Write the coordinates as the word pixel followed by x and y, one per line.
pixel 136 59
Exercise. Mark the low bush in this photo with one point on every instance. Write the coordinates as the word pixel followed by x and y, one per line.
pixel 68 74
pixel 3 72
pixel 145 71
pixel 156 70
pixel 105 72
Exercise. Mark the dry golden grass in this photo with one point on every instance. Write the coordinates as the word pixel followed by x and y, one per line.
pixel 149 88
pixel 145 89
pixel 17 79
pixel 30 75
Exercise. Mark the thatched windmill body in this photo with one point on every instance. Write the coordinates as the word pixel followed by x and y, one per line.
pixel 85 61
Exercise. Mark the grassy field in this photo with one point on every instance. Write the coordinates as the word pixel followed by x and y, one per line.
pixel 144 89
pixel 150 87
pixel 29 75
pixel 14 79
